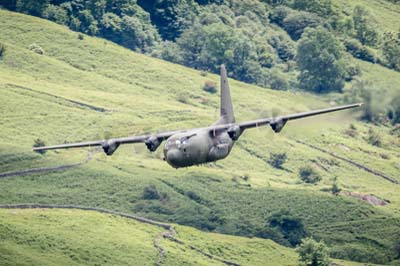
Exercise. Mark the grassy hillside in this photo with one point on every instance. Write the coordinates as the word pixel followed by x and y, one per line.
pixel 91 88
pixel 54 237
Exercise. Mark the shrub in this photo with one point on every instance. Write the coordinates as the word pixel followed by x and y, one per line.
pixel 335 189
pixel 210 86
pixel 151 193
pixel 309 174
pixel 277 81
pixel 277 159
pixel 2 49
pixel 194 196
pixel 36 48
pixel 203 73
pixel 356 49
pixel 291 227
pixel 352 71
pixel 284 46
pixel 365 26
pixel 351 131
pixel 313 253
pixel 39 143
pixel 279 13
pixel 391 50
pixel 56 14
pixel 81 36
pixel 295 23
pixel 374 138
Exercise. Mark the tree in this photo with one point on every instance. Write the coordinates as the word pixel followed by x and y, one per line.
pixel 137 35
pixel 365 26
pixel 321 7
pixel 319 57
pixel 32 7
pixel 391 50
pixel 171 17
pixel 313 253
pixel 56 14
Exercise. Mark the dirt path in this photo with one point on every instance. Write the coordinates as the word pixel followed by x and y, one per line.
pixel 47 169
pixel 73 102
pixel 358 165
pixel 169 232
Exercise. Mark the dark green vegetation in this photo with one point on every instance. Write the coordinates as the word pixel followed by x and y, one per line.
pixel 85 88
pixel 54 237
pixel 313 253
pixel 261 41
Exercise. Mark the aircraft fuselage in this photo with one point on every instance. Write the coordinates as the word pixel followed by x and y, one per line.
pixel 197 147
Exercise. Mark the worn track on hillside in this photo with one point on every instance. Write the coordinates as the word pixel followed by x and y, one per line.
pixel 47 169
pixel 358 165
pixel 169 232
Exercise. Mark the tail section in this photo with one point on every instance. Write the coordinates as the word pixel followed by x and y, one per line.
pixel 227 115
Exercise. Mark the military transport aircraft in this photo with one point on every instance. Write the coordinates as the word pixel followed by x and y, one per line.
pixel 185 148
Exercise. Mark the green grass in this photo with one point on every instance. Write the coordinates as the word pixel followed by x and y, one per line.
pixel 56 97
pixel 74 237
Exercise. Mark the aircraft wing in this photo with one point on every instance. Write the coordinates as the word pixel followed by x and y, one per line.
pixel 152 141
pixel 277 123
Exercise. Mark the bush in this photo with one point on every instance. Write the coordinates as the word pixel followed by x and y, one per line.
pixel 151 193
pixel 39 143
pixel 36 48
pixel 210 86
pixel 291 227
pixel 391 50
pixel 277 159
pixel 352 71
pixel 335 189
pixel 277 81
pixel 284 46
pixel 365 26
pixel 81 36
pixel 295 23
pixel 56 14
pixel 374 138
pixel 313 253
pixel 2 49
pixel 356 49
pixel 351 131
pixel 309 175
pixel 183 98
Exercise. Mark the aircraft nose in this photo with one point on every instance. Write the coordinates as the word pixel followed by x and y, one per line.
pixel 173 157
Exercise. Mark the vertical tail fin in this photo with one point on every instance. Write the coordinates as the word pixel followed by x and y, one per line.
pixel 227 115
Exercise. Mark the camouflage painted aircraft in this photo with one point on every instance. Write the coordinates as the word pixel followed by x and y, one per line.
pixel 185 148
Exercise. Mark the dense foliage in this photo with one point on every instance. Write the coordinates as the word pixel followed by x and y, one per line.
pixel 313 253
pixel 242 34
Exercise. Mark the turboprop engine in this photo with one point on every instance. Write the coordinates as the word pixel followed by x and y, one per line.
pixel 110 146
pixel 152 143
pixel 234 132
pixel 277 125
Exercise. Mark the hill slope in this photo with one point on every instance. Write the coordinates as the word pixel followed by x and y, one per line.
pixel 54 237
pixel 91 88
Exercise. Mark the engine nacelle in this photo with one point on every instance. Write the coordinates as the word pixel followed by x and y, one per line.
pixel 234 132
pixel 110 146
pixel 277 125
pixel 152 143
